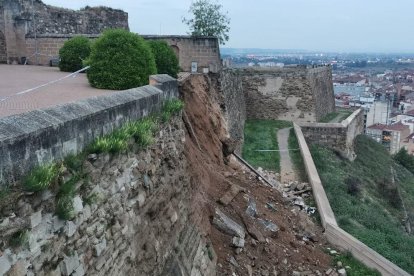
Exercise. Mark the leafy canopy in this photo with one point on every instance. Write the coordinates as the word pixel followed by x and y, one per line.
pixel 120 60
pixel 208 20
pixel 73 53
pixel 165 58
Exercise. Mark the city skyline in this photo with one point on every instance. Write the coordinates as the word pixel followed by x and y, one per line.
pixel 318 25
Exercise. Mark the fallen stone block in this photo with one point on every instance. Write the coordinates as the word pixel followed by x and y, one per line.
pixel 227 225
pixel 231 194
pixel 238 242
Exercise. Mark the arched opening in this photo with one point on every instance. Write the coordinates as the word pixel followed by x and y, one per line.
pixel 3 55
pixel 176 51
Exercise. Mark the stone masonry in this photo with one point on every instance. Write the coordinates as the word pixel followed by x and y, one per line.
pixel 17 25
pixel 296 94
pixel 131 213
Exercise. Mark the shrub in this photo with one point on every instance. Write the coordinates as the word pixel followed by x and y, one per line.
pixel 353 185
pixel 41 178
pixel 165 58
pixel 405 159
pixel 73 53
pixel 120 60
pixel 64 208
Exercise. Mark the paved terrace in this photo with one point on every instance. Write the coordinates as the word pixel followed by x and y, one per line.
pixel 18 78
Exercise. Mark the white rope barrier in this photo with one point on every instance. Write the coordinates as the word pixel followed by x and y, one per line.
pixel 46 84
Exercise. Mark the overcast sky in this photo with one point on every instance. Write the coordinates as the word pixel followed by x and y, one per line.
pixel 320 25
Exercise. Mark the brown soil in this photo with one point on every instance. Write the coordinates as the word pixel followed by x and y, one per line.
pixel 213 174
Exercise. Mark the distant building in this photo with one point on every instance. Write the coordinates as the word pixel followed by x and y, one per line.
pixel 378 113
pixel 350 89
pixel 391 137
pixel 408 143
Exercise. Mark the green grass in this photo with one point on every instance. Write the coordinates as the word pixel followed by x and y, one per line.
pixel 331 116
pixel 64 207
pixel 170 108
pixel 40 178
pixel 370 216
pixel 20 238
pixel 262 135
pixel 356 267
pixel 296 156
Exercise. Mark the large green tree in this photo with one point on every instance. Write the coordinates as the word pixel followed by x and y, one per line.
pixel 208 20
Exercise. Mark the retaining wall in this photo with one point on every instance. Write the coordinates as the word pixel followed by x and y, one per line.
pixel 42 136
pixel 131 212
pixel 338 136
pixel 333 232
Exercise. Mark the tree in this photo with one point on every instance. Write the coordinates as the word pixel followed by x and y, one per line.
pixel 165 58
pixel 208 20
pixel 120 60
pixel 73 53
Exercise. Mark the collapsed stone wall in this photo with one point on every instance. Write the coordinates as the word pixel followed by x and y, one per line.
pixel 132 210
pixel 338 136
pixel 297 94
pixel 130 216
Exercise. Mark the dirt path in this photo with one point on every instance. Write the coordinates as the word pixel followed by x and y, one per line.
pixel 287 172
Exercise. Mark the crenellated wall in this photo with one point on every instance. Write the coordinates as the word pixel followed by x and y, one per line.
pixel 298 94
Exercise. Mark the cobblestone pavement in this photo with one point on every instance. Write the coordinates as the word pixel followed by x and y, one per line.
pixel 18 78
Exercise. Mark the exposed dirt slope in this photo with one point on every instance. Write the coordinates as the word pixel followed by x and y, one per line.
pixel 213 175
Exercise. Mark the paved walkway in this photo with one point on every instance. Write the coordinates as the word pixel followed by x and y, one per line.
pixel 18 78
pixel 287 172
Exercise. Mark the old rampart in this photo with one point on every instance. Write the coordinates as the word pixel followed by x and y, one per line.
pixel 131 212
pixel 297 94
pixel 338 136
pixel 21 21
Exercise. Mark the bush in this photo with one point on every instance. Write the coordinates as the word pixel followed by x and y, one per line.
pixel 405 159
pixel 353 185
pixel 73 53
pixel 165 58
pixel 120 60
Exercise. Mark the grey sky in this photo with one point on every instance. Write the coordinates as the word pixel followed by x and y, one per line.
pixel 322 25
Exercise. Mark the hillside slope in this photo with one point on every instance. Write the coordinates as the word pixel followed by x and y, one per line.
pixel 214 175
pixel 371 198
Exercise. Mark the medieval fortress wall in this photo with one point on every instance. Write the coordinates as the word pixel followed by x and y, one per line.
pixel 21 22
pixel 298 94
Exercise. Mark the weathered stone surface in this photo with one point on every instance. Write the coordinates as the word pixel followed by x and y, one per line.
pixel 227 225
pixel 35 219
pixel 69 264
pixel 294 94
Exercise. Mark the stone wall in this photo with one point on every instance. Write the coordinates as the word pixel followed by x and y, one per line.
pixel 16 23
pixel 338 136
pixel 131 209
pixel 296 94
pixel 48 47
pixel 204 51
pixel 233 105
pixel 42 136
pixel 132 219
